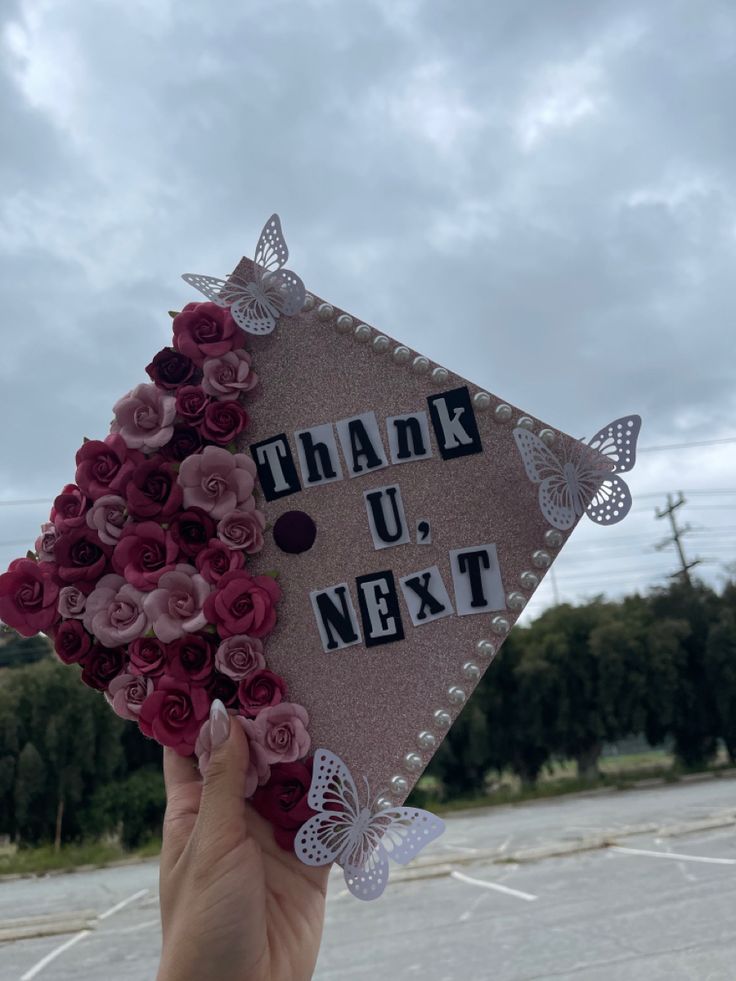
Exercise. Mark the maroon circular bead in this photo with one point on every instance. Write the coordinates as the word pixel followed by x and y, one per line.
pixel 294 532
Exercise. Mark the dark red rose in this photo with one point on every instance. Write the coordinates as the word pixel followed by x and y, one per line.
pixel 205 330
pixel 283 800
pixel 29 595
pixel 81 557
pixel 147 657
pixel 71 641
pixel 191 402
pixel 243 604
pixel 259 690
pixel 170 369
pixel 173 714
pixel 217 559
pixel 191 530
pixel 191 658
pixel 145 551
pixel 105 466
pixel 223 688
pixel 153 491
pixel 223 421
pixel 101 665
pixel 70 509
pixel 184 441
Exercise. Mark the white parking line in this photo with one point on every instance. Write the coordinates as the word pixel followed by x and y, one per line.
pixel 122 904
pixel 674 855
pixel 495 886
pixel 37 968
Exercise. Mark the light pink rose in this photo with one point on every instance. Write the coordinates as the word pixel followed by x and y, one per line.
pixel 108 515
pixel 242 529
pixel 144 418
pixel 281 731
pixel 126 693
pixel 46 541
pixel 217 481
pixel 229 375
pixel 239 656
pixel 258 769
pixel 72 602
pixel 114 612
pixel 175 607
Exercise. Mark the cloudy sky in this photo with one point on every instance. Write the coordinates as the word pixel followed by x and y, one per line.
pixel 541 196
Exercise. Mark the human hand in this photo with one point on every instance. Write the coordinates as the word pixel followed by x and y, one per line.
pixel 234 905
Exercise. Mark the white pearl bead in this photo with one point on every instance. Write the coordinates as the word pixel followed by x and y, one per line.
pixel 380 344
pixel 442 719
pixel 500 626
pixel 439 376
pixel 362 333
pixel 485 649
pixel 344 323
pixel 308 302
pixel 503 412
pixel 383 803
pixel 541 559
pixel 325 311
pixel 547 436
pixel 401 354
pixel 529 579
pixel 471 671
pixel 420 365
pixel 516 601
pixel 553 538
pixel 413 762
pixel 426 740
pixel 456 695
pixel 481 400
pixel 399 785
pixel 525 422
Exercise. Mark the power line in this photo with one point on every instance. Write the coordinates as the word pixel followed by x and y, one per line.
pixel 683 446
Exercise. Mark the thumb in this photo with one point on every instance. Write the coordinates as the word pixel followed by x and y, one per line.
pixel 222 808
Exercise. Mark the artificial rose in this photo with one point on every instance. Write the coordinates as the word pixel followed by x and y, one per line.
pixel 144 553
pixel 243 604
pixel 191 659
pixel 258 769
pixel 217 559
pixel 281 731
pixel 81 558
pixel 69 508
pixel 105 466
pixel 46 541
pixel 101 665
pixel 223 421
pixel 114 612
pixel 107 516
pixel 259 690
pixel 153 491
pixel 170 369
pixel 71 603
pixel 242 530
pixel 229 375
pixel 173 714
pixel 126 693
pixel 217 481
pixel 191 530
pixel 191 402
pixel 29 596
pixel 175 608
pixel 283 800
pixel 239 656
pixel 144 418
pixel 71 641
pixel 184 441
pixel 147 656
pixel 223 688
pixel 206 330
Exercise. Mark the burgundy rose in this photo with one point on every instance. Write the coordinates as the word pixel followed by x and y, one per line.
pixel 105 466
pixel 226 377
pixel 101 665
pixel 145 551
pixel 243 604
pixel 223 688
pixel 28 596
pixel 217 559
pixel 80 556
pixel 153 491
pixel 191 402
pixel 242 529
pixel 283 801
pixel 191 530
pixel 69 508
pixel 259 690
pixel 205 330
pixel 223 421
pixel 191 658
pixel 170 369
pixel 281 731
pixel 239 656
pixel 184 441
pixel 71 641
pixel 147 657
pixel 173 714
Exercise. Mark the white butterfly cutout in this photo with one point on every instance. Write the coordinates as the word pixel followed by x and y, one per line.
pixel 586 480
pixel 257 304
pixel 360 839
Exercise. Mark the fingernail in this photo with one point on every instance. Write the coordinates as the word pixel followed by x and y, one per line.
pixel 219 723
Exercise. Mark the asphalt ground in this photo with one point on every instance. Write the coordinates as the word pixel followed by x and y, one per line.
pixel 646 889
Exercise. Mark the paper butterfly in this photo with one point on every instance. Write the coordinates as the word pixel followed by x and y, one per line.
pixel 584 481
pixel 360 839
pixel 257 304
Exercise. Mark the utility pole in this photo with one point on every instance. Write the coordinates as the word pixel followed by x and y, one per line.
pixel 676 537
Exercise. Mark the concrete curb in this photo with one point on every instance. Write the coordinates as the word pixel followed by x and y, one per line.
pixel 47 925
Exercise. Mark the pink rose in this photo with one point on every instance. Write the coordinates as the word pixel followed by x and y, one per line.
pixel 206 330
pixel 191 659
pixel 107 516
pixel 114 612
pixel 175 608
pixel 144 553
pixel 223 421
pixel 104 467
pixel 281 731
pixel 153 491
pixel 126 693
pixel 80 556
pixel 258 769
pixel 147 656
pixel 144 418
pixel 173 714
pixel 217 481
pixel 46 541
pixel 259 690
pixel 243 604
pixel 69 508
pixel 229 375
pixel 242 529
pixel 217 559
pixel 72 643
pixel 239 656
pixel 71 603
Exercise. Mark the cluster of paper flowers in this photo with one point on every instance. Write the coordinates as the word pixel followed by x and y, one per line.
pixel 141 574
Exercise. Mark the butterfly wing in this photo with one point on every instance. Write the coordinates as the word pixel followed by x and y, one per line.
pixel 611 502
pixel 324 838
pixel 404 831
pixel 254 311
pixel 558 503
pixel 369 880
pixel 539 460
pixel 271 251
pixel 617 443
pixel 214 289
pixel 286 291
